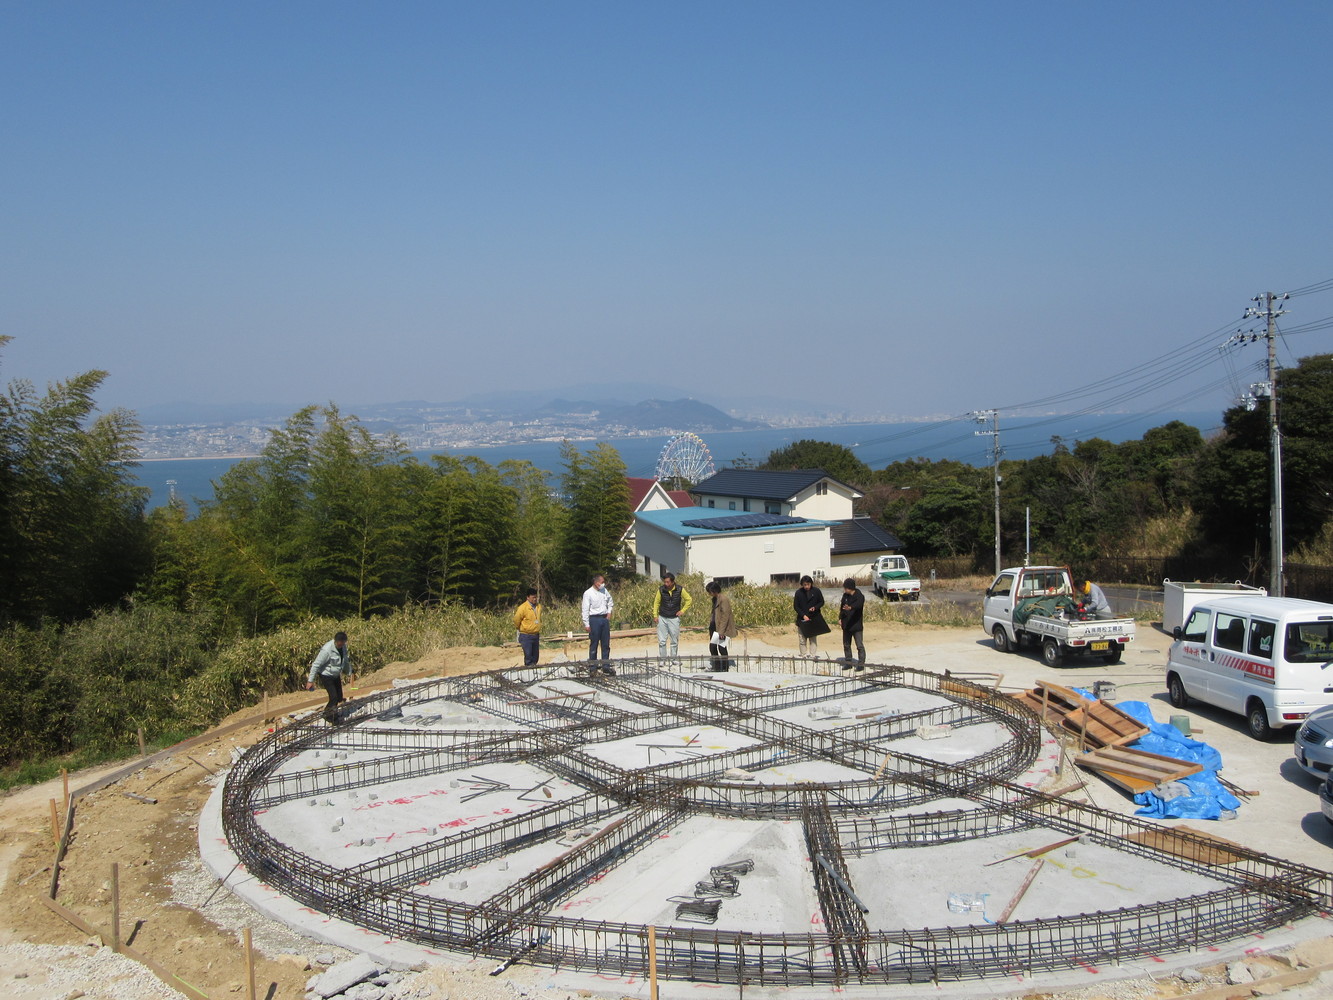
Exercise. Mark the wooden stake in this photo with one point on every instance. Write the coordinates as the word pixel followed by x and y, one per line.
pixel 115 906
pixel 64 777
pixel 1018 896
pixel 267 716
pixel 250 962
pixel 652 963
pixel 882 765
pixel 143 750
pixel 55 824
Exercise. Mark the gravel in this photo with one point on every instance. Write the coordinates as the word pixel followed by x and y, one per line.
pixel 64 972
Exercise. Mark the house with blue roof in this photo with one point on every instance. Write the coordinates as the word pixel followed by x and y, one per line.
pixel 763 527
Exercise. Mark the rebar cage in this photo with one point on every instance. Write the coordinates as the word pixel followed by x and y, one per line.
pixel 882 808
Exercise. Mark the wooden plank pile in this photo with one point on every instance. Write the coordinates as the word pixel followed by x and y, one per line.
pixel 1135 770
pixel 1095 723
pixel 1102 732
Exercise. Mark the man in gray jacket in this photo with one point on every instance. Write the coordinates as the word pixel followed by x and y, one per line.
pixel 330 666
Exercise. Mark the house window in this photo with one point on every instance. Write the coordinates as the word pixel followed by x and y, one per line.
pixel 731 505
pixel 745 504
pixel 711 504
pixel 772 507
pixel 821 488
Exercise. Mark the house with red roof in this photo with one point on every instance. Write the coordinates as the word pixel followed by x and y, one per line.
pixel 646 495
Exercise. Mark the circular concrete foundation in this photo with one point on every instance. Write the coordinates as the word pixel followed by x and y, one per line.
pixel 787 823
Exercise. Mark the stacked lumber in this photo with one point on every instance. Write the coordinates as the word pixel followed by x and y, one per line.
pixel 1096 723
pixel 1135 770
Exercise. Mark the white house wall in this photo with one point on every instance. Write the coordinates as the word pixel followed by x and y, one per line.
pixel 754 554
pixel 660 548
pixel 835 505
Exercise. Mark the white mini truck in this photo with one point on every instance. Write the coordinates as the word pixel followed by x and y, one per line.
pixel 892 579
pixel 1035 605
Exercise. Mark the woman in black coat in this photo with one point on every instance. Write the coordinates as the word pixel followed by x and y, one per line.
pixel 810 624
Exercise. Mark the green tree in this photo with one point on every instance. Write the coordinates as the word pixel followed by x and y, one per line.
pixel 539 520
pixel 597 500
pixel 837 460
pixel 1232 490
pixel 72 534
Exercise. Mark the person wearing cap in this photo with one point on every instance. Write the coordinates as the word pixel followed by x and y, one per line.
pixel 851 616
pixel 528 621
pixel 332 663
pixel 1094 600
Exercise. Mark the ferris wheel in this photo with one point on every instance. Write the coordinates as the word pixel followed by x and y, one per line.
pixel 685 459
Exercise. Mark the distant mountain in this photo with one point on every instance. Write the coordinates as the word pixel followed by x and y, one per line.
pixel 681 414
pixel 603 393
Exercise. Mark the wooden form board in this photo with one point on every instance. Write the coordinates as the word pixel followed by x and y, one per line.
pixel 1101 725
pixel 1096 723
pixel 1216 850
pixel 1135 770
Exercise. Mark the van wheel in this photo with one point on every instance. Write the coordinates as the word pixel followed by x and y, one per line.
pixel 1050 653
pixel 1114 655
pixel 1001 638
pixel 1256 720
pixel 1175 691
pixel 914 597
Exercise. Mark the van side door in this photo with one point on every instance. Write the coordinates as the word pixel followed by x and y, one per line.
pixel 1228 680
pixel 1191 654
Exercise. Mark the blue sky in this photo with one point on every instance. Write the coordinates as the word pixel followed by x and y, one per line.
pixel 911 208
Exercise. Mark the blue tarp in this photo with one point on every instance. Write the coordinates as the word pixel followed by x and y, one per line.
pixel 1206 798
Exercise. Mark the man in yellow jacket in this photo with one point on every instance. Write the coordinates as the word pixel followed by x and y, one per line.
pixel 528 621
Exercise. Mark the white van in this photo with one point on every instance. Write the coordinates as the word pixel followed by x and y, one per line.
pixel 1269 659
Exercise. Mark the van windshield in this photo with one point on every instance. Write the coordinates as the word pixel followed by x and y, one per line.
pixel 1309 642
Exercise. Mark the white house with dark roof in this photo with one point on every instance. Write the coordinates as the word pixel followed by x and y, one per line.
pixel 763 527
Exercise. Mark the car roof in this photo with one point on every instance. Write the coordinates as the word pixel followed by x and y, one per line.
pixel 1270 606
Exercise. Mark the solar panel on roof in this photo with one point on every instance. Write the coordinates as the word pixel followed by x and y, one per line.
pixel 743 521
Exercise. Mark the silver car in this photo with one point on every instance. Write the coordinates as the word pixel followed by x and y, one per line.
pixel 1314 742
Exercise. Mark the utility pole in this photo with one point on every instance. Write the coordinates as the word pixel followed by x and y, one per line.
pixel 981 416
pixel 1264 307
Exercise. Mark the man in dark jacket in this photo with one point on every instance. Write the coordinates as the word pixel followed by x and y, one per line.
pixel 851 618
pixel 810 624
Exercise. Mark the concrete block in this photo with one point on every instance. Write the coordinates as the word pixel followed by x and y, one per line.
pixel 1239 972
pixel 343 976
pixel 934 732
pixel 1190 976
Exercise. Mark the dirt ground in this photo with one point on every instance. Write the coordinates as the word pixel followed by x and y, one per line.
pixel 162 881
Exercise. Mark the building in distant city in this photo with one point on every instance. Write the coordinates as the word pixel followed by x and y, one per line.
pixel 762 527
